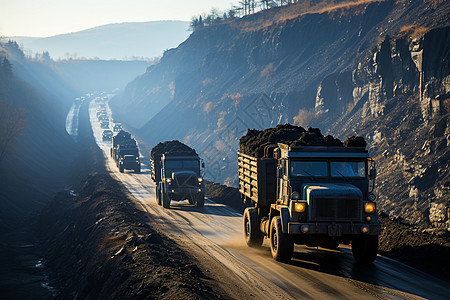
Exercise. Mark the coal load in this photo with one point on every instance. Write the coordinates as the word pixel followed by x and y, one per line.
pixel 172 148
pixel 254 142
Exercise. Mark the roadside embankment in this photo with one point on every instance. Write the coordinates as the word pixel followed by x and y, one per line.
pixel 100 246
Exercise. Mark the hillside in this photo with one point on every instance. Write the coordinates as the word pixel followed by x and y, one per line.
pixel 35 162
pixel 377 68
pixel 112 41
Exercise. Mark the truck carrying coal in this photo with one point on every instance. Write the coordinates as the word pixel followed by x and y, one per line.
pixel 125 152
pixel 308 189
pixel 177 171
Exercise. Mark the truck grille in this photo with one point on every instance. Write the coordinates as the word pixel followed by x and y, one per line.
pixel 183 179
pixel 326 209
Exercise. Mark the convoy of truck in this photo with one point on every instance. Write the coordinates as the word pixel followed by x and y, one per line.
pixel 310 195
pixel 315 195
pixel 125 152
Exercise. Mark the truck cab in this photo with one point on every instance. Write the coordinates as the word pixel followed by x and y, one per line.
pixel 107 135
pixel 314 196
pixel 117 127
pixel 181 179
pixel 129 162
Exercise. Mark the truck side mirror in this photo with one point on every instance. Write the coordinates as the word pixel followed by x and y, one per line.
pixel 372 173
pixel 203 164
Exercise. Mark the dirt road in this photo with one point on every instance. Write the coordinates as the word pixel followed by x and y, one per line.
pixel 214 235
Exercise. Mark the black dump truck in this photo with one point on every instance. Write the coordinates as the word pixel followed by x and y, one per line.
pixel 313 191
pixel 125 152
pixel 177 171
pixel 107 135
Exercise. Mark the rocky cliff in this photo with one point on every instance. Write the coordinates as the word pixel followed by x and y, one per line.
pixel 377 68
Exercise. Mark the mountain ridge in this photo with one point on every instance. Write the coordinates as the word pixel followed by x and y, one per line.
pixel 129 38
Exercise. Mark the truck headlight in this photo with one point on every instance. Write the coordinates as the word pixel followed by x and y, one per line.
pixel 369 208
pixel 169 180
pixel 300 207
pixel 200 179
pixel 295 196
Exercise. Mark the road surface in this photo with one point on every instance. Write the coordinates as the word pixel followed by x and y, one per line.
pixel 217 231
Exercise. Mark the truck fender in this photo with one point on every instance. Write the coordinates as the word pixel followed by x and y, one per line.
pixel 285 217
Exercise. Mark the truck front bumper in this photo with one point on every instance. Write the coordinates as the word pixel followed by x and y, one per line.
pixel 334 229
pixel 130 166
pixel 184 190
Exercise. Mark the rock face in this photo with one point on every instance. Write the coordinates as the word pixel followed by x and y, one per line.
pixel 375 69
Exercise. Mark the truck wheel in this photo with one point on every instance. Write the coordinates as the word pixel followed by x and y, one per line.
pixel 200 200
pixel 253 236
pixel 158 195
pixel 281 244
pixel 137 170
pixel 121 169
pixel 365 249
pixel 165 200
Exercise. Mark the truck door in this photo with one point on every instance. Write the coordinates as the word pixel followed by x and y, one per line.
pixel 279 182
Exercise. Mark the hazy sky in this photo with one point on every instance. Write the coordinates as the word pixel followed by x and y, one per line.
pixel 50 17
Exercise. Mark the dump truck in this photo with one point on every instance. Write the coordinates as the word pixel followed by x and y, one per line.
pixel 310 195
pixel 107 135
pixel 177 171
pixel 117 127
pixel 124 145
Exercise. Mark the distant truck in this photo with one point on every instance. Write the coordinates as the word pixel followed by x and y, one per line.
pixel 104 123
pixel 107 135
pixel 176 170
pixel 310 195
pixel 125 152
pixel 117 127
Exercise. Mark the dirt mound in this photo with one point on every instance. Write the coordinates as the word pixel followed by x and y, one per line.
pixel 415 247
pixel 227 195
pixel 254 142
pixel 355 141
pixel 100 246
pixel 173 147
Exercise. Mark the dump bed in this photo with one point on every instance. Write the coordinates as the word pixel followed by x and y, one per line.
pixel 155 167
pixel 257 179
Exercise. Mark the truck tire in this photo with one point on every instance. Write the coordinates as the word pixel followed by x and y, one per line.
pixel 200 200
pixel 165 200
pixel 158 195
pixel 253 235
pixel 121 169
pixel 281 244
pixel 365 249
pixel 137 170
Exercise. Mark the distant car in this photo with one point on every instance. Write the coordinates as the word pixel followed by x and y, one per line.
pixel 117 127
pixel 104 124
pixel 107 135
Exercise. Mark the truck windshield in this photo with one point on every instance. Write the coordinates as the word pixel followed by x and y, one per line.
pixel 348 169
pixel 309 168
